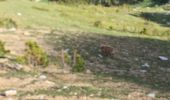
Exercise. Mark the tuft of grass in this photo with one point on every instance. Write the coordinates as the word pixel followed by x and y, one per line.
pixel 7 23
pixel 20 60
pixel 3 51
pixel 98 24
pixel 40 8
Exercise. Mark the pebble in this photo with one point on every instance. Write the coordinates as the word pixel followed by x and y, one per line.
pixel 100 56
pixel 163 58
pixel 146 65
pixel 91 95
pixel 19 14
pixel 75 93
pixel 27 33
pixel 59 90
pixel 18 66
pixel 88 71
pixel 42 77
pixel 11 92
pixel 12 29
pixel 65 87
pixel 152 95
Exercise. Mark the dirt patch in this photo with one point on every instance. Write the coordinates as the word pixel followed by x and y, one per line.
pixel 13 82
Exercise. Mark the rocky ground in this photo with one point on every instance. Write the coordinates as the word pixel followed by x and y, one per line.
pixel 22 82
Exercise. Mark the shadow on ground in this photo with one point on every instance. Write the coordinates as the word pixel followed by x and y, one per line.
pixel 160 18
pixel 135 59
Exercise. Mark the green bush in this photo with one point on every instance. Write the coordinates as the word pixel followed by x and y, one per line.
pixel 7 23
pixel 80 64
pixel 3 51
pixel 35 55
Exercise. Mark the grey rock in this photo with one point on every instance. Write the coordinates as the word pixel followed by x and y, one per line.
pixel 13 66
pixel 163 58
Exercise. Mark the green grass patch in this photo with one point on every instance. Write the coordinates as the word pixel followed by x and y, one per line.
pixel 3 51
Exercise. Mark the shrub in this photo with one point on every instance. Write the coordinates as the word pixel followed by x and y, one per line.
pixel 3 51
pixel 7 23
pixel 35 55
pixel 79 64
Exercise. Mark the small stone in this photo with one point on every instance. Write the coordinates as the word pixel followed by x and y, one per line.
pixel 163 58
pixel 100 56
pixel 42 77
pixel 37 0
pixel 88 71
pixel 143 71
pixel 18 66
pixel 12 29
pixel 152 95
pixel 49 83
pixel 65 87
pixel 59 90
pixel 19 14
pixel 42 97
pixel 91 95
pixel 13 66
pixel 75 93
pixel 11 92
pixel 27 33
pixel 136 59
pixel 146 65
